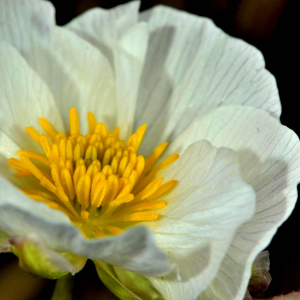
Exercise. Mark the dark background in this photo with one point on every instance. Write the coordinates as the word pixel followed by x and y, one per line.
pixel 270 25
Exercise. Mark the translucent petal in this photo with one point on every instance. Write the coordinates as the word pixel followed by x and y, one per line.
pixel 203 212
pixel 269 155
pixel 117 35
pixel 192 69
pixel 77 73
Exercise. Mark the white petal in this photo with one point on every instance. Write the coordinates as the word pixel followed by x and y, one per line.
pixel 24 98
pixel 191 69
pixel 270 162
pixel 135 250
pixel 8 149
pixel 129 60
pixel 103 28
pixel 124 43
pixel 202 214
pixel 76 72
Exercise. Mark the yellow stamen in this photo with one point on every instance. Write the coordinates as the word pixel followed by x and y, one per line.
pixel 79 172
pixel 101 129
pixel 121 200
pixel 112 189
pixel 78 151
pixel 70 166
pixel 114 205
pixel 23 174
pixel 122 165
pixel 115 164
pixel 91 153
pixel 59 136
pixel 112 229
pixel 47 184
pixel 151 160
pixel 92 170
pixel 96 179
pixel 40 198
pixel 40 193
pixel 46 145
pixel 116 133
pixel 74 122
pixel 163 189
pixel 98 195
pixel 31 167
pixel 55 153
pixel 107 156
pixel 83 191
pixel 145 181
pixel 140 134
pixel 149 190
pixel 84 214
pixel 67 183
pixel 34 135
pixel 36 156
pixel 62 148
pixel 16 164
pixel 94 138
pixel 144 206
pixel 65 200
pixel 139 216
pixel 51 132
pixel 92 122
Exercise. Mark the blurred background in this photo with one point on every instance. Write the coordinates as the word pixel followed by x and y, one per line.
pixel 270 25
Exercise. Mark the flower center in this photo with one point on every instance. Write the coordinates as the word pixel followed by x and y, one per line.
pixel 96 179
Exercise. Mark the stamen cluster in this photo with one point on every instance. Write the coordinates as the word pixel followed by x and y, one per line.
pixel 96 179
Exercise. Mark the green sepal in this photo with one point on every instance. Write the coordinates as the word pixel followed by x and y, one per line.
pixel 35 258
pixel 126 285
pixel 78 262
pixel 63 288
pixel 3 237
pixel 260 277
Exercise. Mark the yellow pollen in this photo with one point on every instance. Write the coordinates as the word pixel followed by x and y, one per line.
pixel 98 180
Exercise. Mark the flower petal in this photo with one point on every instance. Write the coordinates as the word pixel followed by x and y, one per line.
pixel 103 28
pixel 135 250
pixel 129 61
pixel 202 214
pixel 192 69
pixel 124 43
pixel 24 98
pixel 270 162
pixel 76 72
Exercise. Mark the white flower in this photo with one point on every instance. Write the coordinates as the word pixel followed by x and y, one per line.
pixel 205 93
